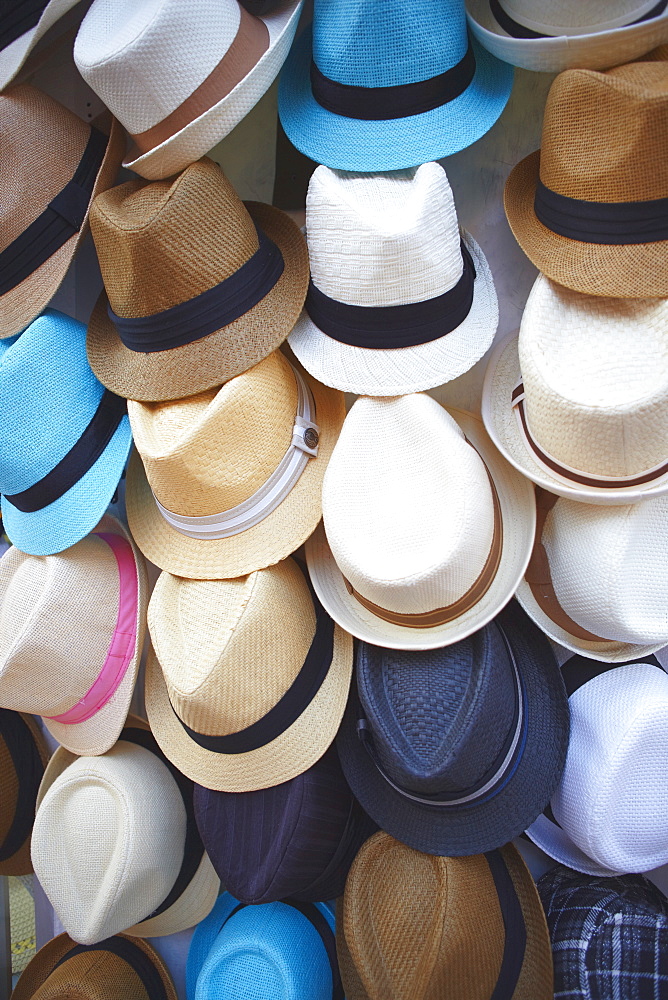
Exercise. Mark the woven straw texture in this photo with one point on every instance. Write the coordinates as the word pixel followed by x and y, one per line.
pixel 659 54
pixel 22 922
pixel 19 863
pixel 13 56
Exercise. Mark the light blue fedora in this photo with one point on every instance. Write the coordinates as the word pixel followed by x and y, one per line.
pixel 380 85
pixel 272 951
pixel 64 438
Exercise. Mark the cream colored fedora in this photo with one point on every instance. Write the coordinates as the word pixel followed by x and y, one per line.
pixel 400 300
pixel 23 25
pixel 598 577
pixel 231 479
pixel 578 402
pixel 71 635
pixel 427 529
pixel 249 678
pixel 180 76
pixel 115 843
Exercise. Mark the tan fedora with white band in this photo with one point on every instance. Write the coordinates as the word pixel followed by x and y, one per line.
pixel 427 529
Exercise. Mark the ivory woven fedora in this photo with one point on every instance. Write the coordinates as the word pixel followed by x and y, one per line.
pixel 473 927
pixel 23 757
pixel 43 223
pixel 427 529
pixel 231 480
pixel 199 288
pixel 553 35
pixel 23 25
pixel 578 402
pixel 217 712
pixel 72 634
pixel 589 208
pixel 608 815
pixel 399 300
pixel 179 77
pixel 380 86
pixel 598 576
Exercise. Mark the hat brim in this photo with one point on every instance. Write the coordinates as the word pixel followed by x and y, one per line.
pixel 14 55
pixel 392 144
pixel 20 863
pixel 518 517
pixel 629 271
pixel 215 359
pixel 400 371
pixel 559 846
pixel 205 934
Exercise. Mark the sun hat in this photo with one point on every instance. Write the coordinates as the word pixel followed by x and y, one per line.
pixel 417 927
pixel 377 86
pixel 598 577
pixel 553 35
pixel 275 951
pixel 578 402
pixel 218 713
pixel 659 54
pixel 23 757
pixel 71 635
pixel 230 481
pixel 43 223
pixel 589 208
pixel 199 287
pixel 23 25
pixel 399 299
pixel 179 78
pixel 295 840
pixel 427 529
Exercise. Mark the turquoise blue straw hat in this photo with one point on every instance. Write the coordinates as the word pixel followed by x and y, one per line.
pixel 273 951
pixel 64 438
pixel 380 85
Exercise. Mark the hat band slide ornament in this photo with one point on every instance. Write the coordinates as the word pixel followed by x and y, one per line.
pixel 390 327
pixel 304 446
pixel 19 17
pixel 208 312
pixel 29 769
pixel 129 952
pixel 621 223
pixel 61 219
pixel 517 30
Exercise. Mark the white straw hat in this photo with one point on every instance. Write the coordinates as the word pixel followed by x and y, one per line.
pixel 578 402
pixel 24 24
pixel 598 577
pixel 427 529
pixel 180 76
pixel 552 35
pixel 400 300
pixel 72 630
pixel 609 814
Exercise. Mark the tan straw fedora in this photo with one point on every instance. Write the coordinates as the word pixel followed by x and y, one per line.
pixel 23 757
pixel 414 926
pixel 249 678
pixel 199 287
pixel 590 208
pixel 231 479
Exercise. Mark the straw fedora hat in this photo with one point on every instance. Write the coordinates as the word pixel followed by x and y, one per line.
pixel 217 712
pixel 549 36
pixel 115 843
pixel 609 812
pixel 43 223
pixel 589 208
pixel 399 299
pixel 578 402
pixel 598 577
pixel 23 757
pixel 474 927
pixel 179 77
pixel 659 54
pixel 231 480
pixel 199 287
pixel 427 529
pixel 23 25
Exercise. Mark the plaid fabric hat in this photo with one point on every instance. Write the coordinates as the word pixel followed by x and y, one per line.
pixel 609 936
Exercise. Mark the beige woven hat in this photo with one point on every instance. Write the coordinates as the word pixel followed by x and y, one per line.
pixel 589 209
pixel 598 577
pixel 413 926
pixel 659 54
pixel 427 529
pixel 248 681
pixel 199 288
pixel 43 223
pixel 180 77
pixel 578 402
pixel 24 25
pixel 71 635
pixel 231 479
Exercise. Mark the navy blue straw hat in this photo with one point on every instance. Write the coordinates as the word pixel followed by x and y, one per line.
pixel 455 751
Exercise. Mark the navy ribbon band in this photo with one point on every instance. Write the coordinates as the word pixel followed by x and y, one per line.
pixel 579 670
pixel 404 100
pixel 29 769
pixel 515 940
pixel 611 223
pixel 18 17
pixel 208 312
pixel 517 30
pixel 130 953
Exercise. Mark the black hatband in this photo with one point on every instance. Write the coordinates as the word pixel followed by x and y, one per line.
pixel 611 223
pixel 517 30
pixel 18 17
pixel 515 939
pixel 130 953
pixel 579 670
pixel 29 769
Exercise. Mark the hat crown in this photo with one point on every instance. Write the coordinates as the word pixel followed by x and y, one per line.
pixel 90 975
pixel 574 16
